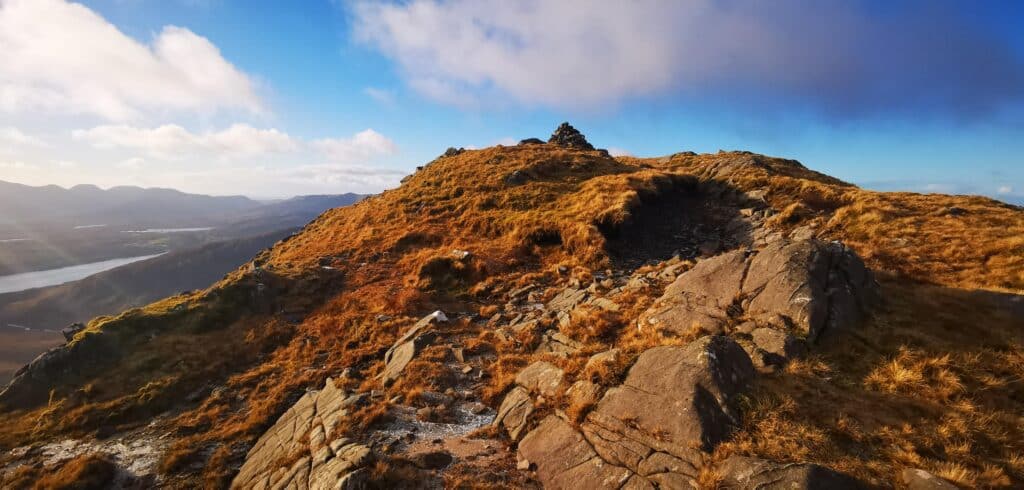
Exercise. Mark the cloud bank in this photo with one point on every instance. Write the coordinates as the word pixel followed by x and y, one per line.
pixel 62 57
pixel 844 59
pixel 171 142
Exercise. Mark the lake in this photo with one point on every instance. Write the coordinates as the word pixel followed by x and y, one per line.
pixel 168 230
pixel 53 277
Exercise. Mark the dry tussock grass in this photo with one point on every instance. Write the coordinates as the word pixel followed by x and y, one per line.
pixel 88 471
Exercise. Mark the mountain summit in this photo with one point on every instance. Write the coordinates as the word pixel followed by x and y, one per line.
pixel 545 315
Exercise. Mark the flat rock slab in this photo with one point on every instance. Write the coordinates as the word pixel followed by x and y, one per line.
pixel 514 413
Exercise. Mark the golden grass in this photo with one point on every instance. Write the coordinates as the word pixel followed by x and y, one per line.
pixel 86 472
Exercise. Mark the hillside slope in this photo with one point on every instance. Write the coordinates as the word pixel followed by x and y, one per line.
pixel 547 261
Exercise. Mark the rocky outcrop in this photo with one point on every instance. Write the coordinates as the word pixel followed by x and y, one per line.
pixel 740 472
pixel 813 288
pixel 452 152
pixel 299 452
pixel 568 136
pixel 406 347
pixel 674 405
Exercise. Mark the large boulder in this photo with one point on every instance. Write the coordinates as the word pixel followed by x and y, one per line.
pixel 305 432
pixel 814 288
pixel 674 406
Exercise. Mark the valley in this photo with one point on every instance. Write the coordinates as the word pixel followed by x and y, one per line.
pixel 92 280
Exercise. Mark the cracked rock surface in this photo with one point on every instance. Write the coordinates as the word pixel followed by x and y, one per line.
pixel 675 403
pixel 811 287
pixel 297 453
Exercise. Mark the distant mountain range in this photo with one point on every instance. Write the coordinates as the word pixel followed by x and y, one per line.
pixel 28 206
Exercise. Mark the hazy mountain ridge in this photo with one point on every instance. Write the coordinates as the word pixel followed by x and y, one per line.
pixel 88 205
pixel 83 205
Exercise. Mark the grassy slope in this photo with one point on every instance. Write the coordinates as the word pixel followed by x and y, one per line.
pixel 393 251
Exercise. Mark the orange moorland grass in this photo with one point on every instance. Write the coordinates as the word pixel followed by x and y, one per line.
pixel 85 472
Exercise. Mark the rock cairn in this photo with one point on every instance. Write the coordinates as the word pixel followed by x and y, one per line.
pixel 570 137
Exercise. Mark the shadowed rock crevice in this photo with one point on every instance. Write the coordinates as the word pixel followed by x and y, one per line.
pixel 683 217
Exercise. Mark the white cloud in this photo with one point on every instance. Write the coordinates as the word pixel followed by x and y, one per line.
pixel 619 152
pixel 837 56
pixel 17 166
pixel 66 164
pixel 380 95
pixel 13 136
pixel 360 147
pixel 1004 189
pixel 342 175
pixel 133 163
pixel 172 141
pixel 64 58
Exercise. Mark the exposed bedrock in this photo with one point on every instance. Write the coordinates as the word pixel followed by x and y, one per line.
pixel 675 404
pixel 811 288
pixel 299 451
pixel 760 307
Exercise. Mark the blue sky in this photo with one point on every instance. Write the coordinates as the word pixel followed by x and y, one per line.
pixel 280 98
